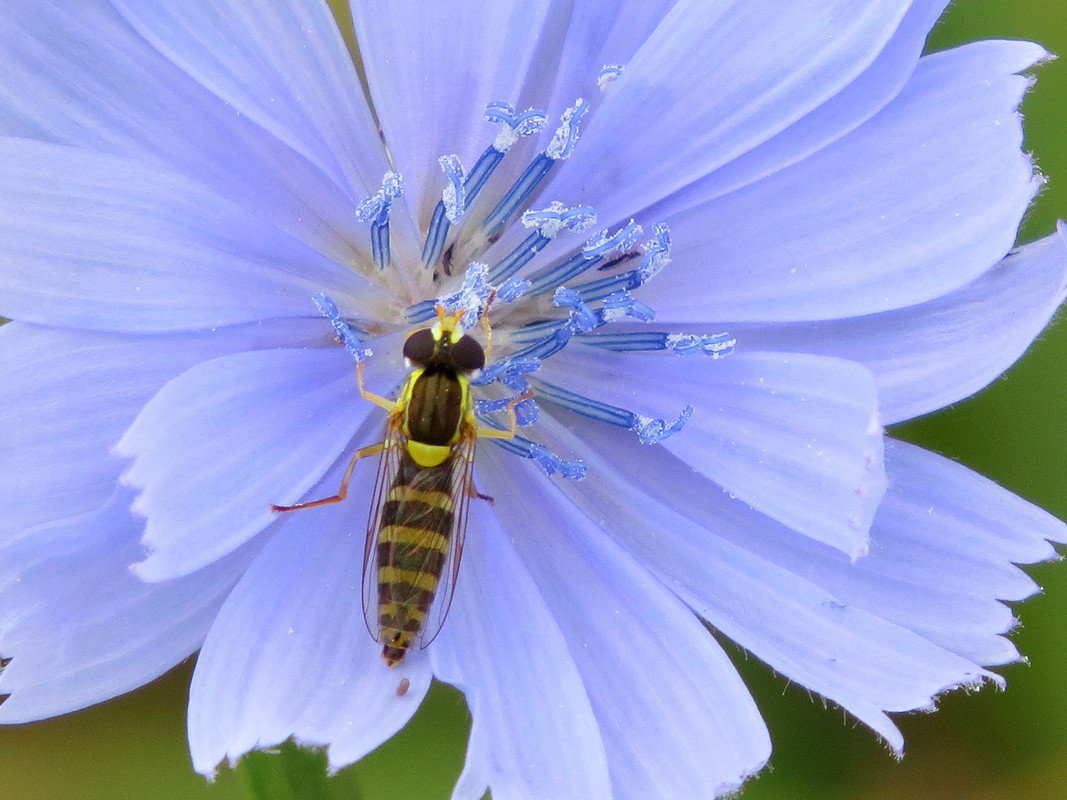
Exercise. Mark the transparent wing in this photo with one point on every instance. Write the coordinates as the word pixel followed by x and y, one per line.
pixel 388 467
pixel 462 489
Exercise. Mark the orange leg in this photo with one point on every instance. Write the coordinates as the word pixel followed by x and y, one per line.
pixel 377 399
pixel 343 493
pixel 513 421
pixel 483 320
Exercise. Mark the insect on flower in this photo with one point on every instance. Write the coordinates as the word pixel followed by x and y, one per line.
pixel 424 483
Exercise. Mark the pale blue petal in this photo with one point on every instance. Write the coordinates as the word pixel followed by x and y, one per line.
pixel 79 628
pixel 695 538
pixel 920 200
pixel 713 81
pixel 99 242
pixel 433 68
pixel 290 655
pixel 68 397
pixel 217 446
pixel 597 34
pixel 927 356
pixel 533 733
pixel 643 655
pixel 281 64
pixel 128 99
pixel 795 436
pixel 838 116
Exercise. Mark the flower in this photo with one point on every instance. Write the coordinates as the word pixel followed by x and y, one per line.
pixel 179 181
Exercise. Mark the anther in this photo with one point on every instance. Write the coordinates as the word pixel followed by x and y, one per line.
pixel 715 345
pixel 375 210
pixel 548 461
pixel 562 145
pixel 515 126
pixel 547 224
pixel 608 75
pixel 347 334
pixel 648 429
pixel 657 255
pixel 596 249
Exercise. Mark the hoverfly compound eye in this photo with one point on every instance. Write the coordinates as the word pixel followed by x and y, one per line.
pixel 467 354
pixel 419 346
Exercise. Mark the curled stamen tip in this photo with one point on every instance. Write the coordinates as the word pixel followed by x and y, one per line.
pixel 623 304
pixel 472 295
pixel 551 463
pixel 454 195
pixel 556 217
pixel 345 332
pixel 582 317
pixel 376 207
pixel 566 136
pixel 657 253
pixel 605 243
pixel 653 431
pixel 608 75
pixel 529 122
pixel 716 345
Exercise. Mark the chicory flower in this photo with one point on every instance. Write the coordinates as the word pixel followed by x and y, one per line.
pixel 728 243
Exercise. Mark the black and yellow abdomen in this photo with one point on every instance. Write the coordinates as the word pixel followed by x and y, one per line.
pixel 417 515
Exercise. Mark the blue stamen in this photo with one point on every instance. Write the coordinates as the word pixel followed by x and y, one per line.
pixel 512 289
pixel 715 345
pixel 455 196
pixel 562 145
pixel 567 134
pixel 602 412
pixel 597 248
pixel 599 289
pixel 447 212
pixel 375 210
pixel 657 252
pixel 551 463
pixel 608 75
pixel 509 372
pixel 517 194
pixel 620 305
pixel 527 411
pixel 529 122
pixel 536 331
pixel 654 431
pixel 515 126
pixel 472 296
pixel 549 223
pixel 582 317
pixel 350 337
pixel 483 169
pixel 648 430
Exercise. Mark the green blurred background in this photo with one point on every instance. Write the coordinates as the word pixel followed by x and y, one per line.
pixel 991 744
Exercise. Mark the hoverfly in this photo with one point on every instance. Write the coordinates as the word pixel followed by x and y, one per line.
pixel 419 509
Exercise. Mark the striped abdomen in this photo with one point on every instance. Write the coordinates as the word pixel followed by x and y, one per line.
pixel 413 541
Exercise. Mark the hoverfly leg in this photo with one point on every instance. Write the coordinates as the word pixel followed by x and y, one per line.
pixel 378 400
pixel 473 493
pixel 371 450
pixel 513 422
pixel 483 320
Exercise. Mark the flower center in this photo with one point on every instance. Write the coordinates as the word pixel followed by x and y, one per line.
pixel 542 310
